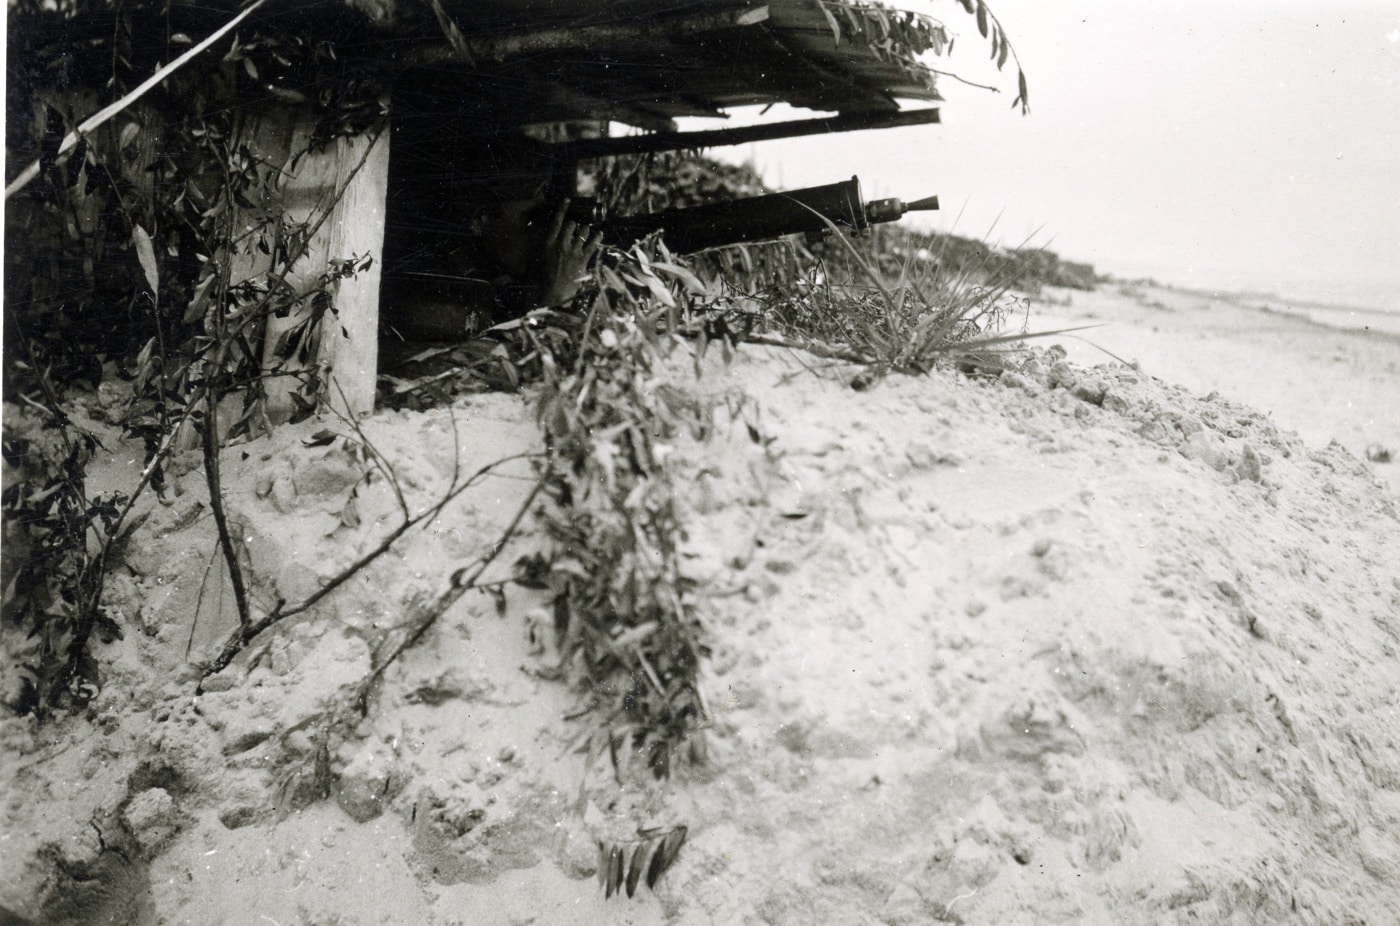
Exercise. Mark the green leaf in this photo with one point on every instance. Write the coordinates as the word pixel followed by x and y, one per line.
pixel 616 870
pixel 659 290
pixel 691 281
pixel 603 858
pixel 146 254
pixel 350 514
pixel 982 18
pixel 634 872
pixel 671 845
pixel 657 867
pixel 835 26
pixel 635 635
pixel 1001 58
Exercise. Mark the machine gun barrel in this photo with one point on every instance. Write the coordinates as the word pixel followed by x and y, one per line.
pixel 756 218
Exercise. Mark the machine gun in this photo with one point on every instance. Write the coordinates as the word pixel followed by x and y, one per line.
pixel 755 218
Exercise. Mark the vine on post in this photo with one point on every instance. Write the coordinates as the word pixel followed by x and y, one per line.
pixel 150 248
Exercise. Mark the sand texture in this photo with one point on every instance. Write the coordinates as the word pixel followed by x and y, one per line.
pixel 1082 644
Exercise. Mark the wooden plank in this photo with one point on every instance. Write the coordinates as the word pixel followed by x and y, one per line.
pixel 610 38
pixel 339 189
pixel 351 348
pixel 717 138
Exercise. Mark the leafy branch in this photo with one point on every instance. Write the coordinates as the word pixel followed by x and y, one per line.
pixel 150 234
pixel 102 116
pixel 992 30
pixel 623 610
pixel 900 37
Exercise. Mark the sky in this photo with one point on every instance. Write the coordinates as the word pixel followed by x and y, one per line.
pixel 1231 144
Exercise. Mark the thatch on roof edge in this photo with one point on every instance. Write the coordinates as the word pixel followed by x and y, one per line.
pixel 644 63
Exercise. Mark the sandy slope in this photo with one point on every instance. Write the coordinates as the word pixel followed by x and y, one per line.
pixel 1324 383
pixel 1073 646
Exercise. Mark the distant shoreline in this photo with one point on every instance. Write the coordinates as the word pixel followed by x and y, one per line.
pixel 1385 322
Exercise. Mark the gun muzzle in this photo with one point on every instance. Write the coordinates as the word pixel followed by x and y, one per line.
pixel 889 210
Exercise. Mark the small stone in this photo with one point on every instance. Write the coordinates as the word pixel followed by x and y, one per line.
pixel 368 783
pixel 242 815
pixel 218 683
pixel 577 855
pixel 152 818
pixel 1063 375
pixel 1200 446
pixel 1014 380
pixel 284 493
pixel 242 733
pixel 1189 425
pixel 1116 404
pixel 1154 431
pixel 1250 467
pixel 1379 856
pixel 1090 389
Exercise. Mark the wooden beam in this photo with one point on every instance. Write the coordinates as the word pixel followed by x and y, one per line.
pixel 719 138
pixel 350 342
pixel 611 37
pixel 345 183
pixel 577 103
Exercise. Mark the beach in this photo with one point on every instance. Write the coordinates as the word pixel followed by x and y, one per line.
pixel 1089 642
pixel 1324 382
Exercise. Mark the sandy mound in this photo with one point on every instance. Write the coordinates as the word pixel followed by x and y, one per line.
pixel 1071 646
pixel 1324 383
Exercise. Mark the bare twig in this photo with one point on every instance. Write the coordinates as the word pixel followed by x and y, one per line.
pixel 380 463
pixel 216 505
pixel 250 631
pixel 811 347
pixel 463 581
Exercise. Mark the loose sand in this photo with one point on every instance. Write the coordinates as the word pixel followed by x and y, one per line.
pixel 1087 644
pixel 1324 383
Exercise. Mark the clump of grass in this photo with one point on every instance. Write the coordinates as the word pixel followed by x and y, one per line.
pixel 905 313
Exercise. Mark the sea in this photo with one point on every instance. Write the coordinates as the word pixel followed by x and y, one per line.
pixel 1372 305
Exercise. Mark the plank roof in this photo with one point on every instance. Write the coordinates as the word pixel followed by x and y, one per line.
pixel 645 63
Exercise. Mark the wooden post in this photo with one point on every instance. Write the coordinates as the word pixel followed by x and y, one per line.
pixel 356 228
pixel 349 180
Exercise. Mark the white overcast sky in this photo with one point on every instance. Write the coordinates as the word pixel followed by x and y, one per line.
pixel 1227 143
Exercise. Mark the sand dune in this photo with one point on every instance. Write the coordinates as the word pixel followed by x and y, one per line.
pixel 1084 644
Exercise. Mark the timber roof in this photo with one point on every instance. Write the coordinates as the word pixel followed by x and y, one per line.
pixel 643 62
